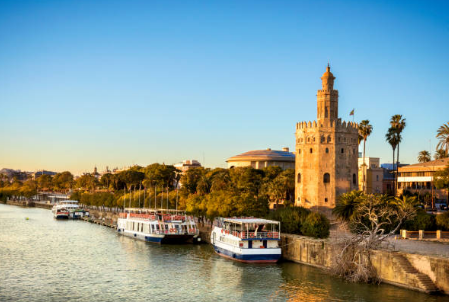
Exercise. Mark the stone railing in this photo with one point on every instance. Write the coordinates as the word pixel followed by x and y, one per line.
pixel 420 235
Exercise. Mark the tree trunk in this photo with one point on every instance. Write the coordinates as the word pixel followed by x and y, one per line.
pixel 363 167
pixel 397 169
pixel 394 177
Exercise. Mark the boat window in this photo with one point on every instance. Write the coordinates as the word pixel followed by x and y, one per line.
pixel 166 226
pixel 265 244
pixel 250 244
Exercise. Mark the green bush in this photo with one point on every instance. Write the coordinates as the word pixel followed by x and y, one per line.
pixel 291 218
pixel 316 225
pixel 442 221
pixel 422 221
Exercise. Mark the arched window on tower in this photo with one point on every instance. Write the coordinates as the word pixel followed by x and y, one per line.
pixel 326 113
pixel 326 178
pixel 328 138
pixel 327 150
pixel 354 179
pixel 299 178
pixel 323 139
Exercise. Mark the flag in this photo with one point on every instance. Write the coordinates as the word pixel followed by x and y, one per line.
pixel 352 112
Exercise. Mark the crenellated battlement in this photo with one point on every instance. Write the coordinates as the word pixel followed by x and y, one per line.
pixel 338 124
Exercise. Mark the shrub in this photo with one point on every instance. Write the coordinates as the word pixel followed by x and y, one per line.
pixel 291 218
pixel 422 221
pixel 316 225
pixel 442 221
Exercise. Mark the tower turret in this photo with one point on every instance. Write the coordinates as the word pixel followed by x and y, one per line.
pixel 327 99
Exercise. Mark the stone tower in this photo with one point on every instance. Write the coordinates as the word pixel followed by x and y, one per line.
pixel 326 153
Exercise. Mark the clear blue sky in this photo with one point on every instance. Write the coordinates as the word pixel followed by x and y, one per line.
pixel 117 83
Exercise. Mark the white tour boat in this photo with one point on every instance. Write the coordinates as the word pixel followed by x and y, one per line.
pixel 69 209
pixel 158 226
pixel 247 239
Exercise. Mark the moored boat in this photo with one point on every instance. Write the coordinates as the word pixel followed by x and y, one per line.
pixel 69 209
pixel 247 239
pixel 158 226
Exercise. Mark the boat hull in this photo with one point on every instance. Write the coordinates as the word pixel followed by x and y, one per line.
pixel 160 239
pixel 248 258
pixel 61 217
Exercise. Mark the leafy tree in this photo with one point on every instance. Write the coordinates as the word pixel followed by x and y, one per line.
pixel 63 180
pixel 45 182
pixel 365 130
pixel 87 182
pixel 107 180
pixel 191 178
pixel 443 136
pixel 441 180
pixel 316 225
pixel 442 221
pixel 291 218
pixel 161 175
pixel 132 178
pixel 424 156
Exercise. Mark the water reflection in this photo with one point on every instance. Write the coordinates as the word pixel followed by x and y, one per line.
pixel 42 259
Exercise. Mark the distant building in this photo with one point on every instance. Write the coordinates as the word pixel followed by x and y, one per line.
pixel 418 178
pixel 259 159
pixel 43 172
pixel 187 164
pixel 326 153
pixel 389 171
pixel 10 174
pixel 374 175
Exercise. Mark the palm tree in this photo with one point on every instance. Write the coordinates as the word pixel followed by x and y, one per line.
pixel 398 123
pixel 393 139
pixel 347 204
pixel 440 154
pixel 424 156
pixel 365 130
pixel 443 135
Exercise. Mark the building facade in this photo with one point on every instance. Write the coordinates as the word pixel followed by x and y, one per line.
pixel 373 174
pixel 418 178
pixel 259 159
pixel 326 153
pixel 187 164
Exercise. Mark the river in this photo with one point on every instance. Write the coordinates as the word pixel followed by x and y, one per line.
pixel 42 259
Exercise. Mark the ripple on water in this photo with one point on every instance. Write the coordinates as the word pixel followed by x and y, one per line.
pixel 42 259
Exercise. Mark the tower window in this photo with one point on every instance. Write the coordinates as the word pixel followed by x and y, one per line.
pixel 354 179
pixel 342 150
pixel 326 178
pixel 325 199
pixel 327 150
pixel 299 151
pixel 308 139
pixel 353 151
pixel 323 139
pixel 299 178
pixel 329 139
pixel 345 139
pixel 311 150
pixel 314 139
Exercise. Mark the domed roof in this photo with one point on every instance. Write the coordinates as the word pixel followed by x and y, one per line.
pixel 328 73
pixel 265 155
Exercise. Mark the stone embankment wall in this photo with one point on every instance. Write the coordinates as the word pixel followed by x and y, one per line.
pixel 418 272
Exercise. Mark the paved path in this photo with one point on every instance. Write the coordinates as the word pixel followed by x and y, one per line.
pixel 430 248
pixel 421 247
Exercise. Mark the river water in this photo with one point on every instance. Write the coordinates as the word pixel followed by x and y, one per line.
pixel 42 259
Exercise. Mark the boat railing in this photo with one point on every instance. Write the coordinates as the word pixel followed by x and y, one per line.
pixel 174 231
pixel 253 235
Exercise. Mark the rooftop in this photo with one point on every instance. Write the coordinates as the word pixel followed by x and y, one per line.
pixel 433 165
pixel 268 154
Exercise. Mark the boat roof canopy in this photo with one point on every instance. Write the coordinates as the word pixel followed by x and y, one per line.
pixel 250 220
